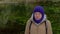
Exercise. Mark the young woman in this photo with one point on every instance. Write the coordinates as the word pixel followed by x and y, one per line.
pixel 38 23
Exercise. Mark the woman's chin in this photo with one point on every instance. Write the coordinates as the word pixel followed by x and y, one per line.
pixel 37 19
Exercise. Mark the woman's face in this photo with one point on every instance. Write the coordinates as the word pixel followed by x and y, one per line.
pixel 37 15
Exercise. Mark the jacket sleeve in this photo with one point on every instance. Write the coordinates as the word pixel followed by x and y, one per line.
pixel 49 28
pixel 27 27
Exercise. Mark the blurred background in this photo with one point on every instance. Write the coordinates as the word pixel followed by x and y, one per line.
pixel 15 13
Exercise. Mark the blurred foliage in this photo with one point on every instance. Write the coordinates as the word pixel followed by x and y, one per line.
pixel 13 17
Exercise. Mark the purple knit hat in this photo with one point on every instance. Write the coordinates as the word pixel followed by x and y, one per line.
pixel 41 10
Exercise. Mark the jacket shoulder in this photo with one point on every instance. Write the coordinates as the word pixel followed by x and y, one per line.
pixel 48 21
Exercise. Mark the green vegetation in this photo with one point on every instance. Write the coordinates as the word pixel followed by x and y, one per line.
pixel 13 17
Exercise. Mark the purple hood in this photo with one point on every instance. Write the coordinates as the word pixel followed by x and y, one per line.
pixel 41 10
